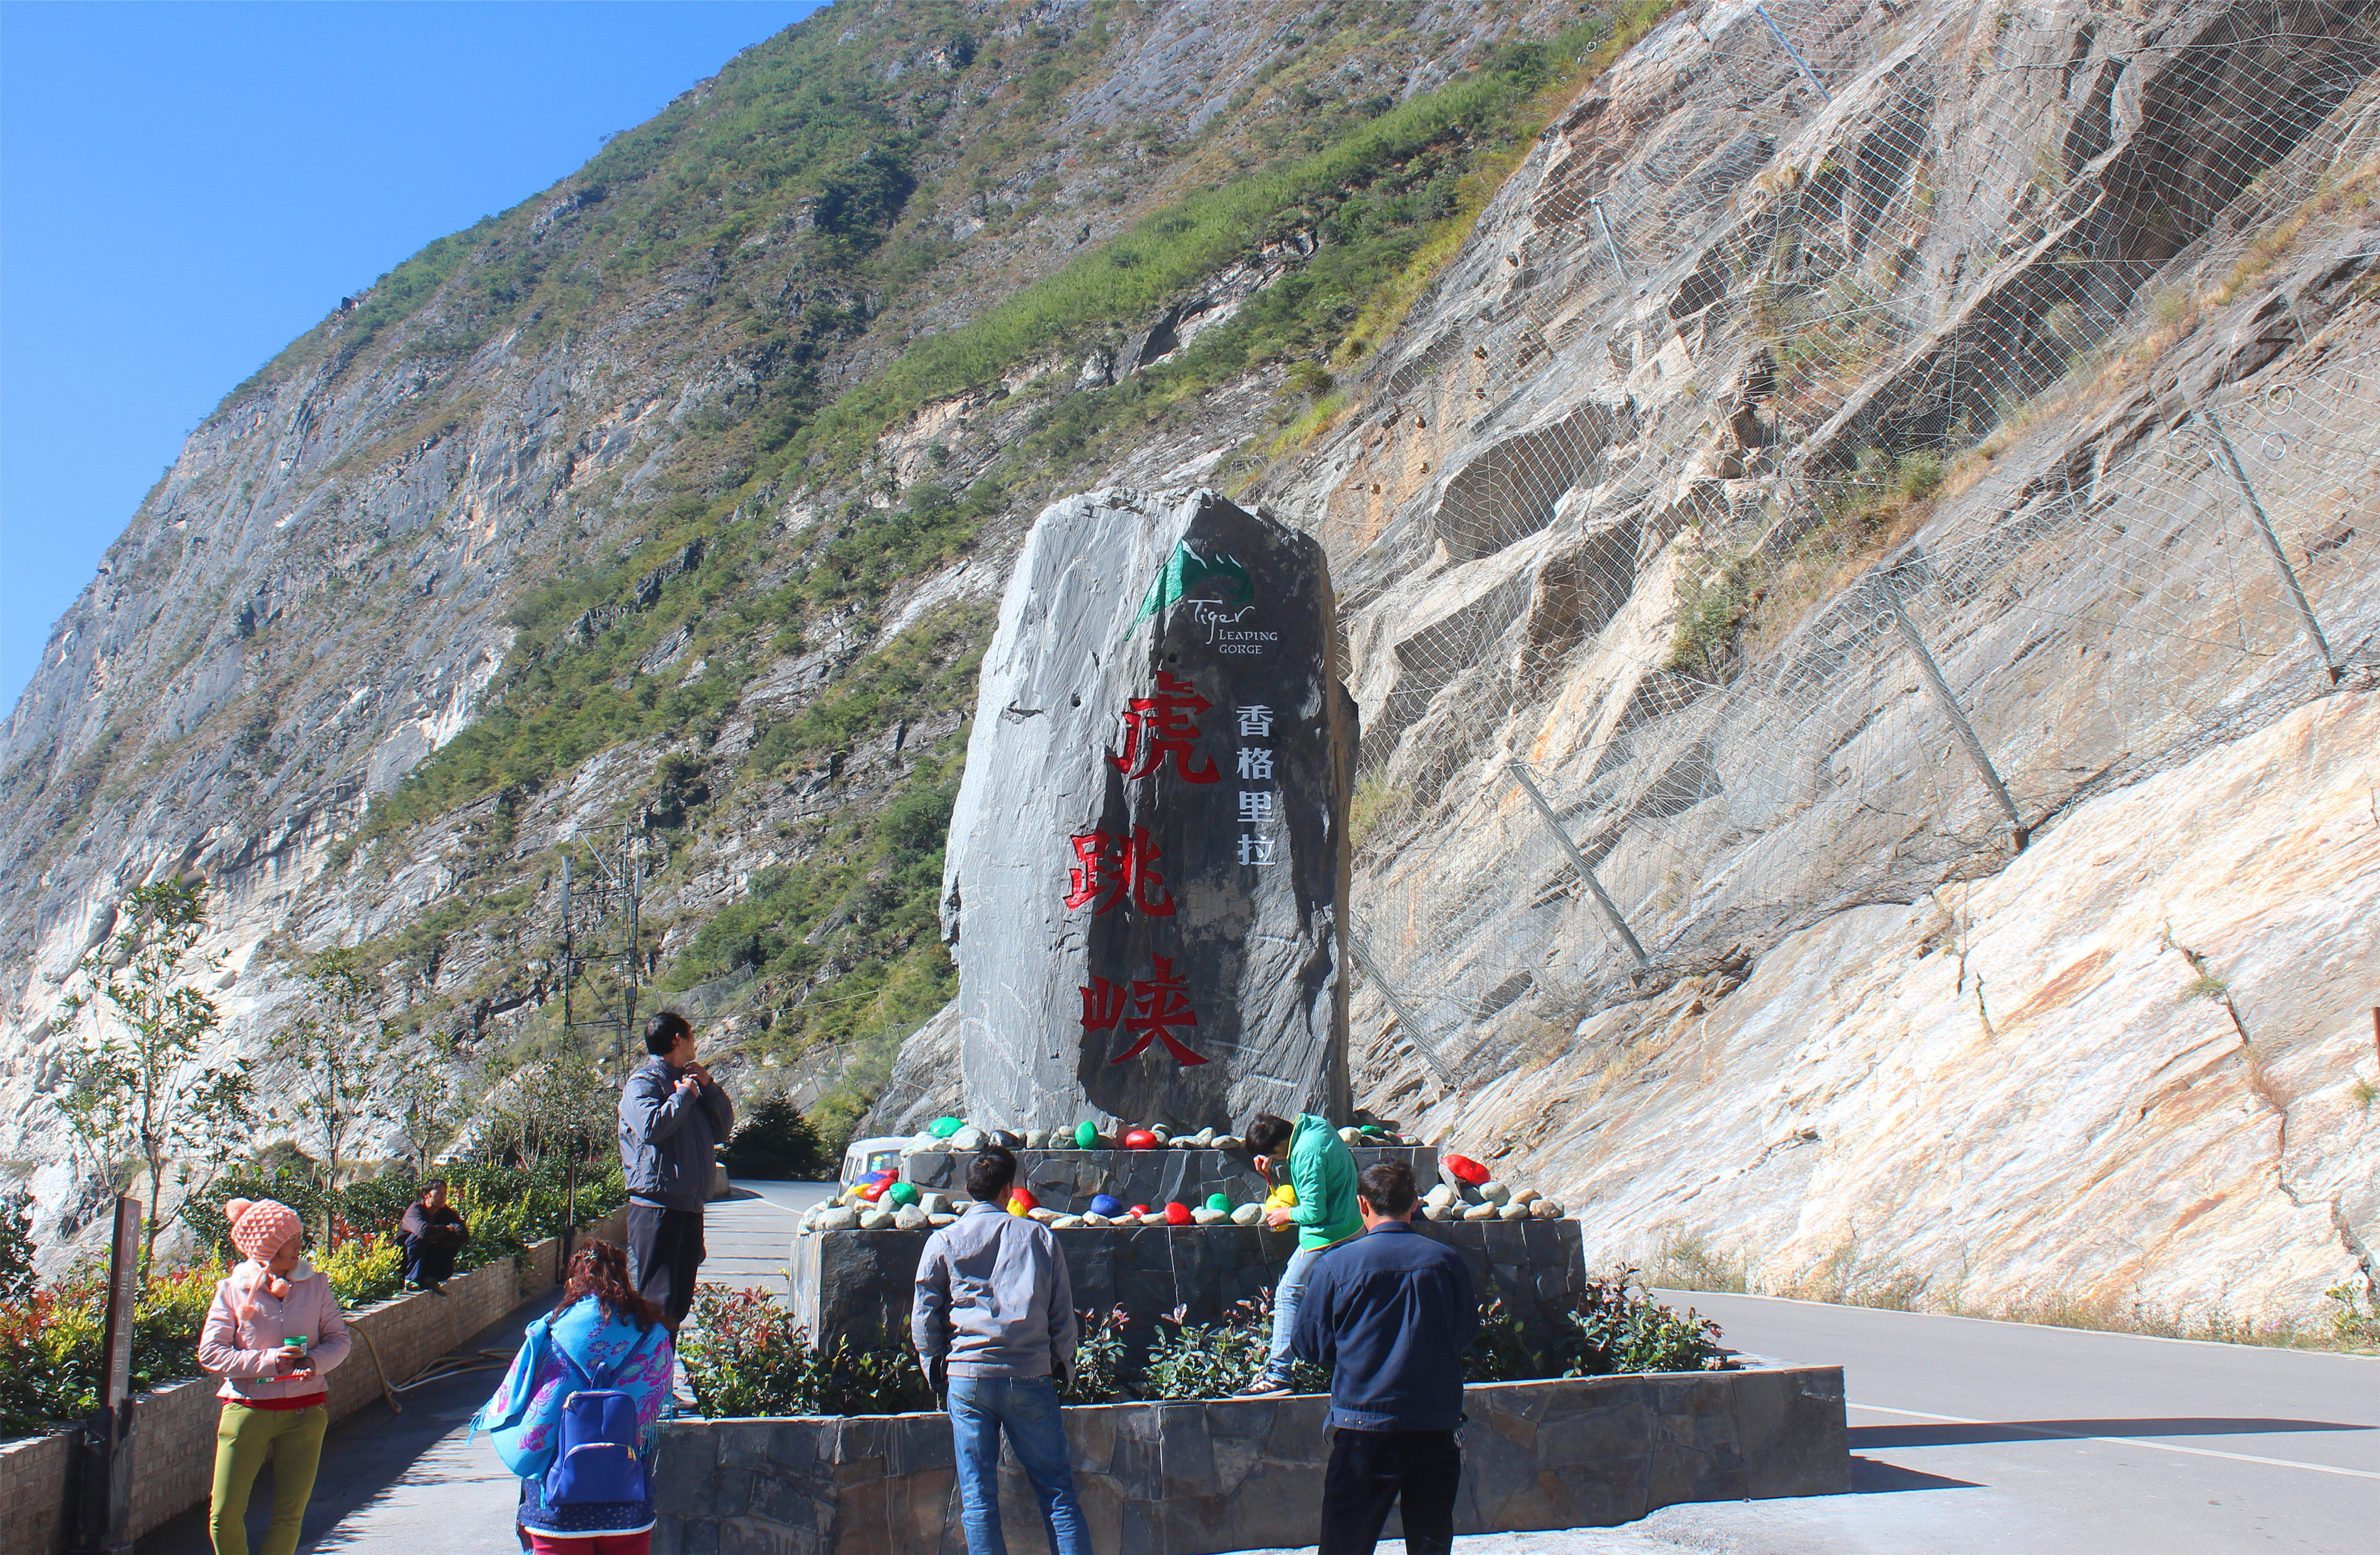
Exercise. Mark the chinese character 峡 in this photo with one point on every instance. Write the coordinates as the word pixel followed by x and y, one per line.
pixel 1159 1003
pixel 1255 763
pixel 1256 719
pixel 1256 850
pixel 1156 726
pixel 1103 1003
pixel 1256 803
pixel 1111 867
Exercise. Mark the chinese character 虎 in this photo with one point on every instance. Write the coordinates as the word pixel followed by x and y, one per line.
pixel 1256 850
pixel 1103 1003
pixel 1256 762
pixel 1156 727
pixel 1110 866
pixel 1159 1003
pixel 1256 803
pixel 1256 719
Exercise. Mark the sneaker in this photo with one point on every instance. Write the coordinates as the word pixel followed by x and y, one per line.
pixel 1265 1387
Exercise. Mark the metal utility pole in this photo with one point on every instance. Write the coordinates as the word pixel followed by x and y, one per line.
pixel 2330 671
pixel 1948 703
pixel 1799 63
pixel 1578 861
pixel 1419 1038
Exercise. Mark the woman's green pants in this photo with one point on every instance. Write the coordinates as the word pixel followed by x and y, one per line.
pixel 292 1439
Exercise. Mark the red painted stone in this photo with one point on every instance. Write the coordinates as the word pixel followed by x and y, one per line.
pixel 1139 1139
pixel 1177 1214
pixel 1464 1170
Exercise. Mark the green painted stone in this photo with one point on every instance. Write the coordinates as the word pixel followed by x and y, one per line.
pixel 1086 1135
pixel 942 1129
pixel 902 1193
pixel 1220 1202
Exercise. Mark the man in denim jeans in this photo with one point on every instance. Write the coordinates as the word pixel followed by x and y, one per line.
pixel 993 1319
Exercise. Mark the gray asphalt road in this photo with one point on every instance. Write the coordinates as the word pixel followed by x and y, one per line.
pixel 1999 1439
pixel 745 1240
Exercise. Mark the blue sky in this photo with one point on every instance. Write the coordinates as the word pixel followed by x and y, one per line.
pixel 185 188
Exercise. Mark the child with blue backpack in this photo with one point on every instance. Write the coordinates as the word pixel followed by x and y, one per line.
pixel 577 1414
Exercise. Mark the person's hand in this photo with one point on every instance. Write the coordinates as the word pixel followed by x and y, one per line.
pixel 1277 1217
pixel 700 1074
pixel 290 1362
pixel 937 1377
pixel 688 1085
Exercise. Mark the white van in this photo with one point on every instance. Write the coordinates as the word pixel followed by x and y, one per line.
pixel 864 1158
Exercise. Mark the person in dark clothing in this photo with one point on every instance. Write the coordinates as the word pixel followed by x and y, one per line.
pixel 1390 1313
pixel 431 1234
pixel 673 1115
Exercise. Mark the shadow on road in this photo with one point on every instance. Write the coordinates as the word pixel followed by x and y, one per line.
pixel 1872 1477
pixel 1878 1436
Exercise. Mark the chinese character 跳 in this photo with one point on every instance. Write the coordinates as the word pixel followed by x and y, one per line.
pixel 1254 850
pixel 1110 866
pixel 1154 727
pixel 1256 719
pixel 1256 803
pixel 1158 1005
pixel 1255 763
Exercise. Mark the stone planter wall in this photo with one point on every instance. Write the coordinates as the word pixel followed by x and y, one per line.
pixel 857 1284
pixel 1227 1474
pixel 174 1447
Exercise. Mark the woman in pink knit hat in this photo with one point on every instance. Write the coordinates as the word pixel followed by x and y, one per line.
pixel 273 1330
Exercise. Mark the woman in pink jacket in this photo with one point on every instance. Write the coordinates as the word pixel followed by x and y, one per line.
pixel 273 1330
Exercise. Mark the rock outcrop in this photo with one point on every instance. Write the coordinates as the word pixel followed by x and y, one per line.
pixel 1147 859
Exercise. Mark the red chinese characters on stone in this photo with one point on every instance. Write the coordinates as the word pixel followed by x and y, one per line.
pixel 1111 867
pixel 1154 727
pixel 1155 1006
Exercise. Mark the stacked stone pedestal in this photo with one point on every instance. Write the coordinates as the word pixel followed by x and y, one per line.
pixel 1066 1181
pixel 857 1284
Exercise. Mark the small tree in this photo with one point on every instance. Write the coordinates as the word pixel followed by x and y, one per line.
pixel 128 1096
pixel 337 1051
pixel 17 1276
pixel 422 1100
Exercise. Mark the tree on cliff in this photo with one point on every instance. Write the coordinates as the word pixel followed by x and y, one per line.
pixel 135 1095
pixel 336 1051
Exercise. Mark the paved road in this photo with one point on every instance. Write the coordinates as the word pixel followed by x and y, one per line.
pixel 745 1240
pixel 1999 1439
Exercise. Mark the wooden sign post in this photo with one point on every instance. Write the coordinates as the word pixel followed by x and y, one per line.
pixel 104 1497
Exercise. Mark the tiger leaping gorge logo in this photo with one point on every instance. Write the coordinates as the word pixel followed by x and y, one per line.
pixel 1186 571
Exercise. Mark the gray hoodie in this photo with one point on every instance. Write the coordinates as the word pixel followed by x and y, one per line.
pixel 666 1139
pixel 993 1296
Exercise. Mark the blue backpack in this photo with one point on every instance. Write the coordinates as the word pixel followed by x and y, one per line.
pixel 595 1454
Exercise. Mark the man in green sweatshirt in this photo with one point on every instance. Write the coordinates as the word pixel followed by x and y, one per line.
pixel 1321 1171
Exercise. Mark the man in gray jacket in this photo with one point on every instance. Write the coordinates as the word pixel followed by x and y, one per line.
pixel 672 1114
pixel 994 1322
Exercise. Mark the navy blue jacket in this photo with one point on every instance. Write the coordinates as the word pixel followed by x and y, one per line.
pixel 1390 1312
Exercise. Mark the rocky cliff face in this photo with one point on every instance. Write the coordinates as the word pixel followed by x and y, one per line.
pixel 1826 466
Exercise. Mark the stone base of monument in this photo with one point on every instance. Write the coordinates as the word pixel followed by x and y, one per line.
pixel 858 1284
pixel 1067 1180
pixel 1233 1474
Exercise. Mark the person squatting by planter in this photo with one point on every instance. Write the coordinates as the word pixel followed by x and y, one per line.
pixel 576 1416
pixel 993 1321
pixel 1390 1312
pixel 272 1331
pixel 1321 1173
pixel 672 1116
pixel 431 1234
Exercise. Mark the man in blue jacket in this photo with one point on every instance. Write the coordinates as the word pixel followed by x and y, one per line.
pixel 672 1114
pixel 1390 1312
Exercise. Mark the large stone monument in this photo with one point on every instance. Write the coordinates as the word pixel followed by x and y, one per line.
pixel 1149 856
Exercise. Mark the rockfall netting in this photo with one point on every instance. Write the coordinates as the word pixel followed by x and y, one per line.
pixel 1788 610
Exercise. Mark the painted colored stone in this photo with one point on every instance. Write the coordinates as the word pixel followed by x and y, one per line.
pixel 1139 1139
pixel 902 1193
pixel 1106 1204
pixel 1138 1212
pixel 1462 1171
pixel 1022 1202
pixel 1219 1202
pixel 1086 1135
pixel 1177 1214
pixel 942 1129
pixel 1147 860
